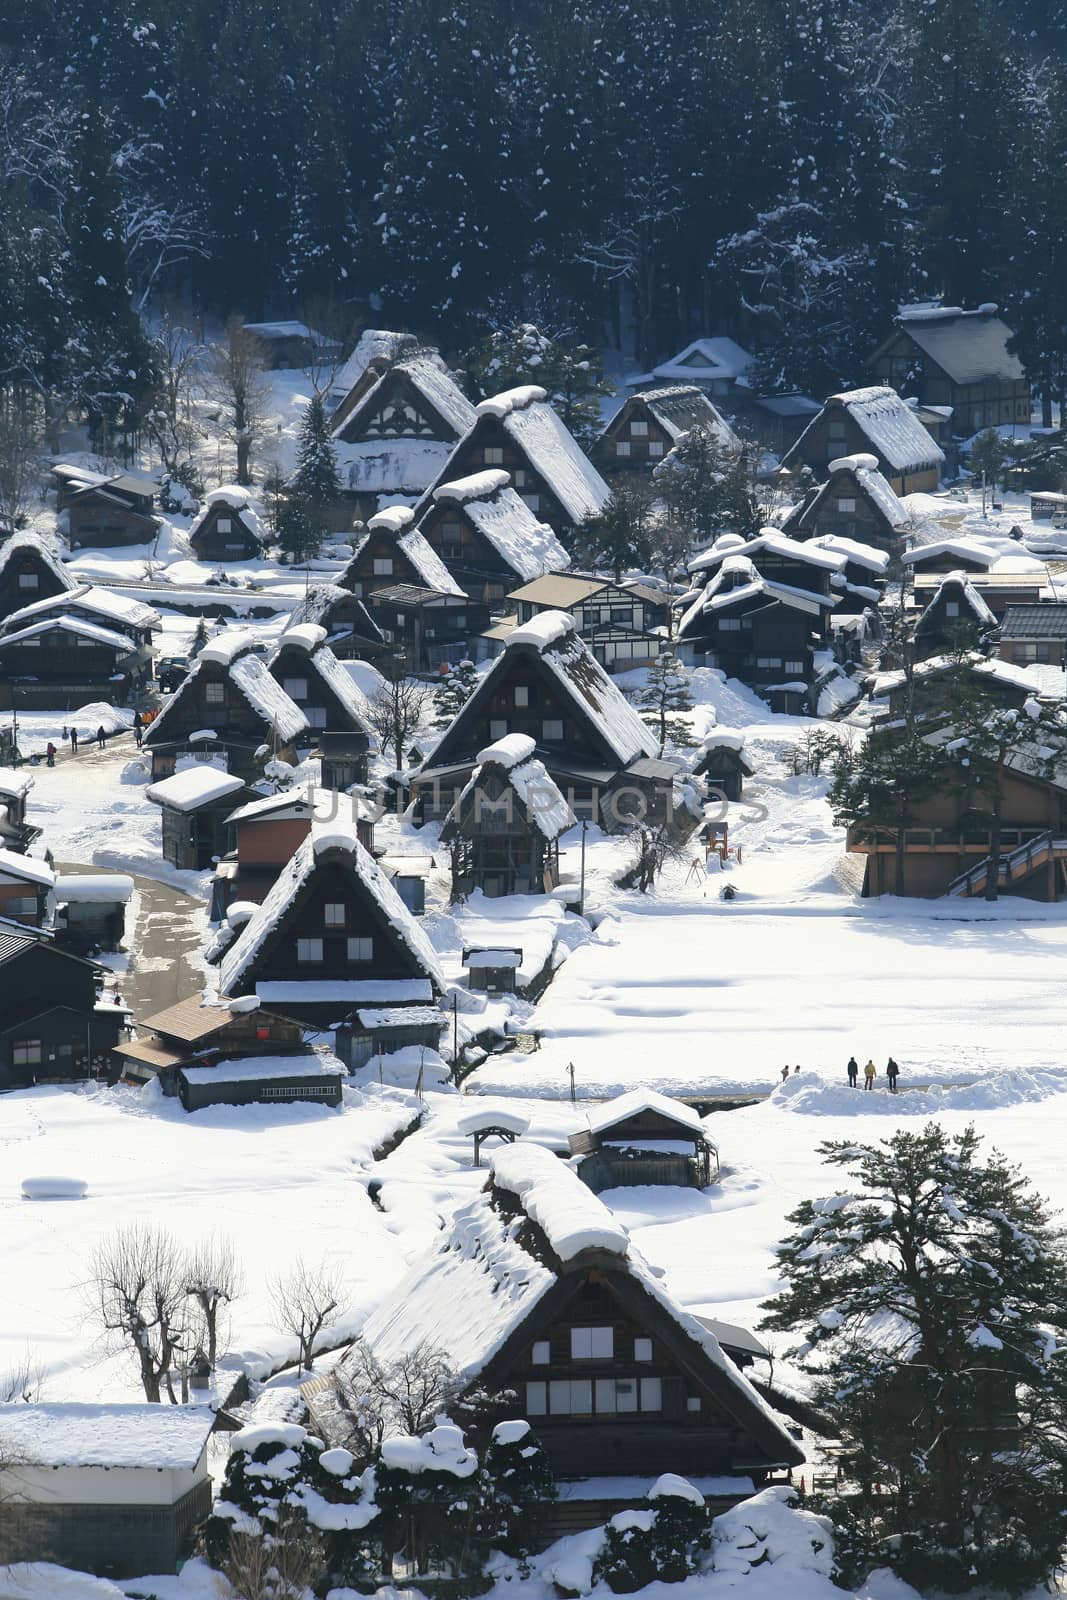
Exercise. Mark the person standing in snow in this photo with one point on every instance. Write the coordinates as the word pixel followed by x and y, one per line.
pixel 853 1070
pixel 892 1072
pixel 785 1073
pixel 795 1071
pixel 50 752
pixel 74 741
pixel 138 730
pixel 870 1072
pixel 101 737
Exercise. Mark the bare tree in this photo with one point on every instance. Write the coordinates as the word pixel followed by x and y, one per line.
pixel 381 1399
pixel 136 1290
pixel 235 381
pixel 20 450
pixel 632 249
pixel 399 711
pixel 280 1564
pixel 652 845
pixel 169 420
pixel 213 1280
pixel 22 1382
pixel 304 1301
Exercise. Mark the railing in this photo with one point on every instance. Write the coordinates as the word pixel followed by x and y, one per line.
pixel 1017 863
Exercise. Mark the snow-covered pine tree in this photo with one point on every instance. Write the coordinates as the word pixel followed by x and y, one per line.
pixel 664 1543
pixel 928 1299
pixel 570 373
pixel 709 487
pixel 314 487
pixel 518 1481
pixel 431 1506
pixel 665 701
pixel 622 534
pixel 453 692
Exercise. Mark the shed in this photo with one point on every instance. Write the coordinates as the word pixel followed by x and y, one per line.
pixel 504 1126
pixel 642 1137
pixel 380 1030
pixel 227 527
pixel 315 1075
pixel 722 763
pixel 289 344
pixel 195 804
pixel 114 1489
pixel 197 1032
pixel 90 910
pixel 492 970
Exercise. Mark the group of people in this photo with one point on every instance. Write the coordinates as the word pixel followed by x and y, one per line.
pixel 139 725
pixel 870 1072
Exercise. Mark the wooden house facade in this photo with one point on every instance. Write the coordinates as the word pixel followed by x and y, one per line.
pixel 56 1024
pixel 425 629
pixel 649 424
pixel 227 709
pixel 65 661
pixel 872 422
pixel 956 359
pixel 392 550
pixel 622 623
pixel 1032 635
pixel 194 804
pixel 331 935
pixel 519 433
pixel 642 1137
pixel 25 885
pixel 264 832
pixel 351 632
pixel 503 831
pixel 196 1032
pixel 310 674
pixel 105 512
pixel 393 435
pixel 856 502
pixel 614 1377
pixel 29 571
pixel 487 537
pixel 547 685
pixel 955 609
pixel 375 351
pixel 227 528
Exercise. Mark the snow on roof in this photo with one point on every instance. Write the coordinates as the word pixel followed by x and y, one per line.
pixel 970 346
pixel 391 466
pixel 289 330
pixel 13 785
pixel 857 554
pixel 319 602
pixel 703 358
pixel 807 552
pixel 968 594
pixel 433 383
pixel 571 1216
pixel 864 469
pixel 251 677
pixel 393 519
pixel 722 739
pixel 326 836
pixel 679 408
pixel 538 793
pixel 196 786
pixel 31 544
pixel 529 547
pixel 892 427
pixel 510 751
pixel 26 868
pixel 478 960
pixel 934 666
pixel 306 636
pixel 253 1069
pixel 86 597
pixel 103 888
pixel 382 1018
pixel 553 452
pixel 478 1121
pixel 346 992
pixel 584 680
pixel 223 648
pixel 340 683
pixel 85 630
pixel 397 522
pixel 962 549
pixel 373 344
pixel 237 499
pixel 77 1434
pixel 509 400
pixel 634 1102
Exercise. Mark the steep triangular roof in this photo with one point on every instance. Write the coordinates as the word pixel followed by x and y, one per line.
pixel 307 641
pixel 863 476
pixel 678 408
pixel 438 395
pixel 234 499
pixel 958 587
pixel 398 522
pixel 488 502
pixel 334 841
pixel 319 603
pixel 552 642
pixel 30 545
pixel 512 1259
pixel 102 606
pixel 968 346
pixel 232 654
pixel 536 797
pixel 890 427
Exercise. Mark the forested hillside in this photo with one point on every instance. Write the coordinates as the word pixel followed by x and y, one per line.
pixel 785 170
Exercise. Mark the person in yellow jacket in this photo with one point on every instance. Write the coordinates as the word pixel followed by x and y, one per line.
pixel 869 1073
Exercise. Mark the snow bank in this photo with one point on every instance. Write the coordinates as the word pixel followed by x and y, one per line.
pixel 572 1217
pixel 767 1530
pixel 41 1580
pixel 814 1097
pixel 54 1188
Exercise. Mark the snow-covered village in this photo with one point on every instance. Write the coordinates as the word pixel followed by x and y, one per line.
pixel 533 801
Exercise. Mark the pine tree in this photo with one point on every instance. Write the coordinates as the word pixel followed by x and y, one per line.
pixel 299 532
pixel 709 487
pixel 621 535
pixel 453 692
pixel 431 1505
pixel 926 1298
pixel 879 792
pixel 314 487
pixel 570 375
pixel 665 1545
pixel 518 1481
pixel 665 701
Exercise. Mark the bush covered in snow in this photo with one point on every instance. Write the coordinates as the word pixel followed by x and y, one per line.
pixel 667 1542
pixel 518 1481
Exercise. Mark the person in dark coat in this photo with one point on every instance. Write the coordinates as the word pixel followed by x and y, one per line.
pixel 50 752
pixel 138 730
pixel 853 1070
pixel 74 741
pixel 101 737
pixel 892 1072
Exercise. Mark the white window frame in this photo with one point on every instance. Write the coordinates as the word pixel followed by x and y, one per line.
pixel 846 503
pixel 493 455
pixel 295 688
pixel 29 580
pixel 224 525
pixel 655 448
pixel 639 430
pixel 309 952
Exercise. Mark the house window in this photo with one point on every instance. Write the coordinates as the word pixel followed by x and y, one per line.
pixel 639 430
pixel 846 503
pixel 361 949
pixel 333 914
pixel 536 1399
pixel 214 694
pixel 518 477
pixel 768 661
pixel 493 455
pixel 642 1349
pixel 383 566
pixel 651 1394
pixel 357 590
pixel 224 524
pixel 26 1053
pixel 295 688
pixel 622 447
pixel 522 695
pixel 616 1394
pixel 29 580
pixel 532 502
pixel 571 1397
pixel 836 428
pixel 84 644
pixel 542 1353
pixel 497 727
pixel 952 608
pixel 794 666
pixel 309 950
pixel 22 905
pixel 729 624
pixel 592 1344
pixel 552 730
pixel 692 1402
pixel 655 448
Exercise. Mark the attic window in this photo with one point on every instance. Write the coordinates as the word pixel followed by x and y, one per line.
pixel 383 566
pixel 29 580
pixel 642 1349
pixel 309 950
pixel 541 1354
pixel 655 448
pixel 952 608
pixel 333 914
pixel 622 448
pixel 224 525
pixel 552 730
pixel 846 503
pixel 214 693
pixel 592 1344
pixel 639 430
pixel 493 455
pixel 522 695
pixel 361 949
pixel 295 688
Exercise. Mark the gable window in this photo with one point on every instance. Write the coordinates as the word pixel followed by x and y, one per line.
pixel 532 502
pixel 522 695
pixel 622 447
pixel 316 716
pixel 518 477
pixel 295 688
pixel 639 430
pixel 497 727
pixel 952 608
pixel 493 455
pixel 224 524
pixel 794 666
pixel 542 1353
pixel 333 914
pixel 655 448
pixel 642 1349
pixel 846 503
pixel 651 1394
pixel 214 694
pixel 383 566
pixel 361 949
pixel 836 428
pixel 729 624
pixel 692 1402
pixel 768 661
pixel 20 905
pixel 26 1053
pixel 592 1344
pixel 29 580
pixel 571 1397
pixel 309 950
pixel 552 730
pixel 616 1394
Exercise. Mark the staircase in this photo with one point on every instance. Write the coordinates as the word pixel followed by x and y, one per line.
pixel 1018 863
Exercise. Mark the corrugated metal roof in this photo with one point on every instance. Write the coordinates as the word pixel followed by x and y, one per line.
pixel 1035 622
pixel 13 942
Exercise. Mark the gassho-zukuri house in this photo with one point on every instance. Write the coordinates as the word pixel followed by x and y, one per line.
pixel 538 1297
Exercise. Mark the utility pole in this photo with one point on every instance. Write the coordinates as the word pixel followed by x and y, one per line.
pixel 581 885
pixel 570 1071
